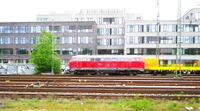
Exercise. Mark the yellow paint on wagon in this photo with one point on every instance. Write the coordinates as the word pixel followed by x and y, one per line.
pixel 153 64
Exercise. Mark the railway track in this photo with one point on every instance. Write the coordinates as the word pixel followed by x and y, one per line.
pixel 100 86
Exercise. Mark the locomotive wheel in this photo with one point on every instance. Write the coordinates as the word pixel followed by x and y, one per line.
pixel 155 73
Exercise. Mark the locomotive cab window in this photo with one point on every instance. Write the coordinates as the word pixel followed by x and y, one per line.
pixel 98 59
pixel 92 59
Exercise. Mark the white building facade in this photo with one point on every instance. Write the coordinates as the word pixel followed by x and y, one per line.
pixel 142 36
pixel 122 33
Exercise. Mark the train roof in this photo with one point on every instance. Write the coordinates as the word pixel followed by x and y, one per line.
pixel 107 56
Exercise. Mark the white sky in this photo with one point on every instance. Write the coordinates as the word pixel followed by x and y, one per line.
pixel 27 10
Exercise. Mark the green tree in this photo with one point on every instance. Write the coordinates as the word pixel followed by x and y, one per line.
pixel 41 55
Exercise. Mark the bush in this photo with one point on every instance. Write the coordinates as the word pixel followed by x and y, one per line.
pixel 56 68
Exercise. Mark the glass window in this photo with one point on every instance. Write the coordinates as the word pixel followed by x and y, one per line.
pixel 168 40
pixel 99 21
pixel 33 40
pixel 150 40
pixel 6 29
pixel 152 28
pixel 104 42
pixel 67 40
pixel 119 20
pixel 130 28
pixel 108 20
pixel 5 40
pixel 85 40
pixel 187 40
pixel 21 29
pixel 149 28
pixel 70 28
pixel 117 31
pixel 86 28
pixel 1 29
pixel 6 51
pixel 36 29
pixel 84 51
pixel 21 40
pixel 191 51
pixel 22 51
pixel 68 51
pixel 197 40
pixel 188 28
pixel 134 40
pixel 116 41
pixel 167 51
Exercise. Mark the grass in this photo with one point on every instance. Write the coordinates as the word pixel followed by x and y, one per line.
pixel 134 104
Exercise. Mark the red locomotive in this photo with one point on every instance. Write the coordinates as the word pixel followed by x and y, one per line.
pixel 93 64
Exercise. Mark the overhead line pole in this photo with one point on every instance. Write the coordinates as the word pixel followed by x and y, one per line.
pixel 157 29
pixel 178 44
pixel 52 54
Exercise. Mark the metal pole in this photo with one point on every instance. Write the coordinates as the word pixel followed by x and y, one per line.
pixel 52 54
pixel 157 29
pixel 178 44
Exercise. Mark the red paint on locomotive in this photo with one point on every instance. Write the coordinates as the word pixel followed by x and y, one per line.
pixel 106 62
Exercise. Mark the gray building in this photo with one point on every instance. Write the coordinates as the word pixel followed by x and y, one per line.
pixel 110 26
pixel 18 38
pixel 142 38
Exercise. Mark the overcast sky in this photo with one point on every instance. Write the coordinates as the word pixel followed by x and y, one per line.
pixel 27 10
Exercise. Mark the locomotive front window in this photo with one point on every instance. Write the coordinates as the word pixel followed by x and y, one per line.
pixel 98 59
pixel 92 59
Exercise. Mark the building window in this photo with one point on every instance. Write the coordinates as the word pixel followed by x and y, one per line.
pixel 119 20
pixel 103 42
pixel 22 51
pixel 134 40
pixel 103 31
pixel 21 29
pixel 197 40
pixel 150 40
pixel 5 40
pixel 6 29
pixel 84 51
pixel 167 40
pixel 21 40
pixel 167 51
pixel 85 40
pixel 135 28
pixel 6 51
pixel 111 51
pixel 108 20
pixel 117 42
pixel 191 51
pixel 70 28
pixel 188 28
pixel 168 28
pixel 68 40
pixel 187 40
pixel 68 51
pixel 33 40
pixel 117 31
pixel 86 28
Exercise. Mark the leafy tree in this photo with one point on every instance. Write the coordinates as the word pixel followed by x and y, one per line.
pixel 41 55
